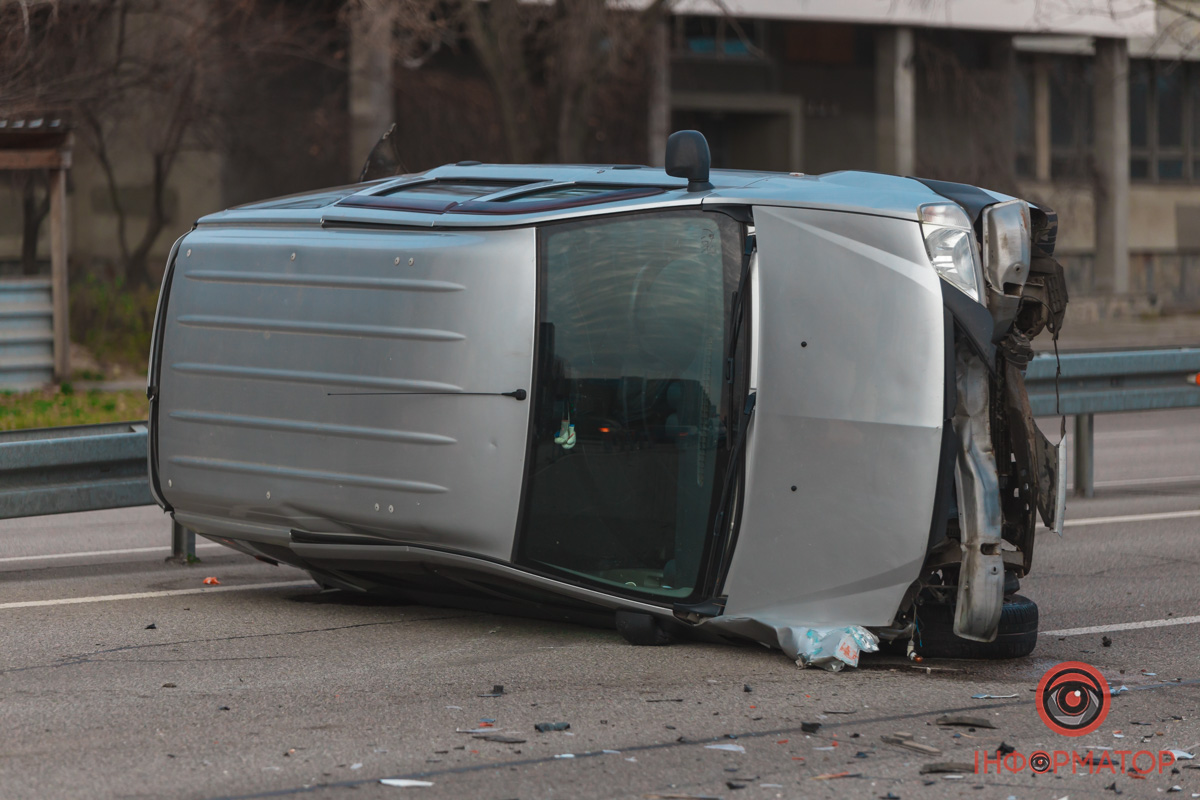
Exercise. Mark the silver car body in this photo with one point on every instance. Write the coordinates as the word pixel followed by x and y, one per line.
pixel 333 383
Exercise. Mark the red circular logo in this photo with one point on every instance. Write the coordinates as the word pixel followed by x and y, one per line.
pixel 1073 698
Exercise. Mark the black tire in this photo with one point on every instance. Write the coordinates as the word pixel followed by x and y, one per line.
pixel 642 630
pixel 1016 638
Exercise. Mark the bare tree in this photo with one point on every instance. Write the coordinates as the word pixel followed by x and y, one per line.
pixel 144 72
pixel 549 62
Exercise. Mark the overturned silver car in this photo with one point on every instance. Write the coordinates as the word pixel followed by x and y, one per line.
pixel 730 404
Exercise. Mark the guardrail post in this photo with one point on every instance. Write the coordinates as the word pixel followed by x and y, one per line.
pixel 183 544
pixel 1085 430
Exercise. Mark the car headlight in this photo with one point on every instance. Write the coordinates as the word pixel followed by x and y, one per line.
pixel 950 242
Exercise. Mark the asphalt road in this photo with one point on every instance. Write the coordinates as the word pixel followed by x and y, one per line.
pixel 266 687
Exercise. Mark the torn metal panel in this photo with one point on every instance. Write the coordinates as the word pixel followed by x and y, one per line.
pixel 981 579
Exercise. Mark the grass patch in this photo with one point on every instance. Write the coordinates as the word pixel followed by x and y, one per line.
pixel 51 408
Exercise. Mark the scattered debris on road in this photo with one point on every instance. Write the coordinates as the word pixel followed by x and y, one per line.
pixel 151 627
pixel 830 776
pixel 404 783
pixel 1106 641
pixel 169 686
pixel 810 727
pixel 952 767
pixel 211 581
pixel 905 740
pixel 546 727
pixel 746 687
pixel 966 722
pixel 499 737
pixel 992 696
pixel 497 691
pixel 731 748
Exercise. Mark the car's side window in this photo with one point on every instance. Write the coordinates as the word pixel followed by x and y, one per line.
pixel 629 438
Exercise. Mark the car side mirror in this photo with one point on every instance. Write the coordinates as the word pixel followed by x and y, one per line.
pixel 688 157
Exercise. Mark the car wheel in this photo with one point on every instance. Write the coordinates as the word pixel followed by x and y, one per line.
pixel 641 629
pixel 1017 634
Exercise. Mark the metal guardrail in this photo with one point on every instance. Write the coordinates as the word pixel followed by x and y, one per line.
pixel 93 467
pixel 1108 382
pixel 81 468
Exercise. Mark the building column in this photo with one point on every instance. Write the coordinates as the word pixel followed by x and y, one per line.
pixel 895 101
pixel 371 86
pixel 658 124
pixel 1112 166
pixel 1041 119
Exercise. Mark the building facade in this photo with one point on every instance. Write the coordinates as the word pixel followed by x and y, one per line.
pixel 1091 107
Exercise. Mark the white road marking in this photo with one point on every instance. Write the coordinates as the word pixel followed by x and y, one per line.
pixel 91 553
pixel 1124 626
pixel 1133 518
pixel 105 598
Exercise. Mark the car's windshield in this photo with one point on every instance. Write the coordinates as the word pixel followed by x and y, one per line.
pixel 630 440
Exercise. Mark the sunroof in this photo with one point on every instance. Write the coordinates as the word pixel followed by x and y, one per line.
pixel 463 196
pixel 451 190
pixel 430 196
pixel 560 193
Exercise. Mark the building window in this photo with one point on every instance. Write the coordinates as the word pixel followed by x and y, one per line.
pixel 1053 107
pixel 720 38
pixel 1023 123
pixel 1071 129
pixel 1164 121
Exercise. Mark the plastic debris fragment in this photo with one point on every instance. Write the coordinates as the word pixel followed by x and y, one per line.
pixel 731 748
pixel 828 648
pixel 403 783
pixel 1182 755
pixel 210 581
pixel 1118 690
pixel 497 691
pixel 992 696
pixel 546 727
pixel 565 755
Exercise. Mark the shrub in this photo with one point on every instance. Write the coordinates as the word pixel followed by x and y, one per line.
pixel 112 320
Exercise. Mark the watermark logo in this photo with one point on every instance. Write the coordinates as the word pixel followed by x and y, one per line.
pixel 1073 699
